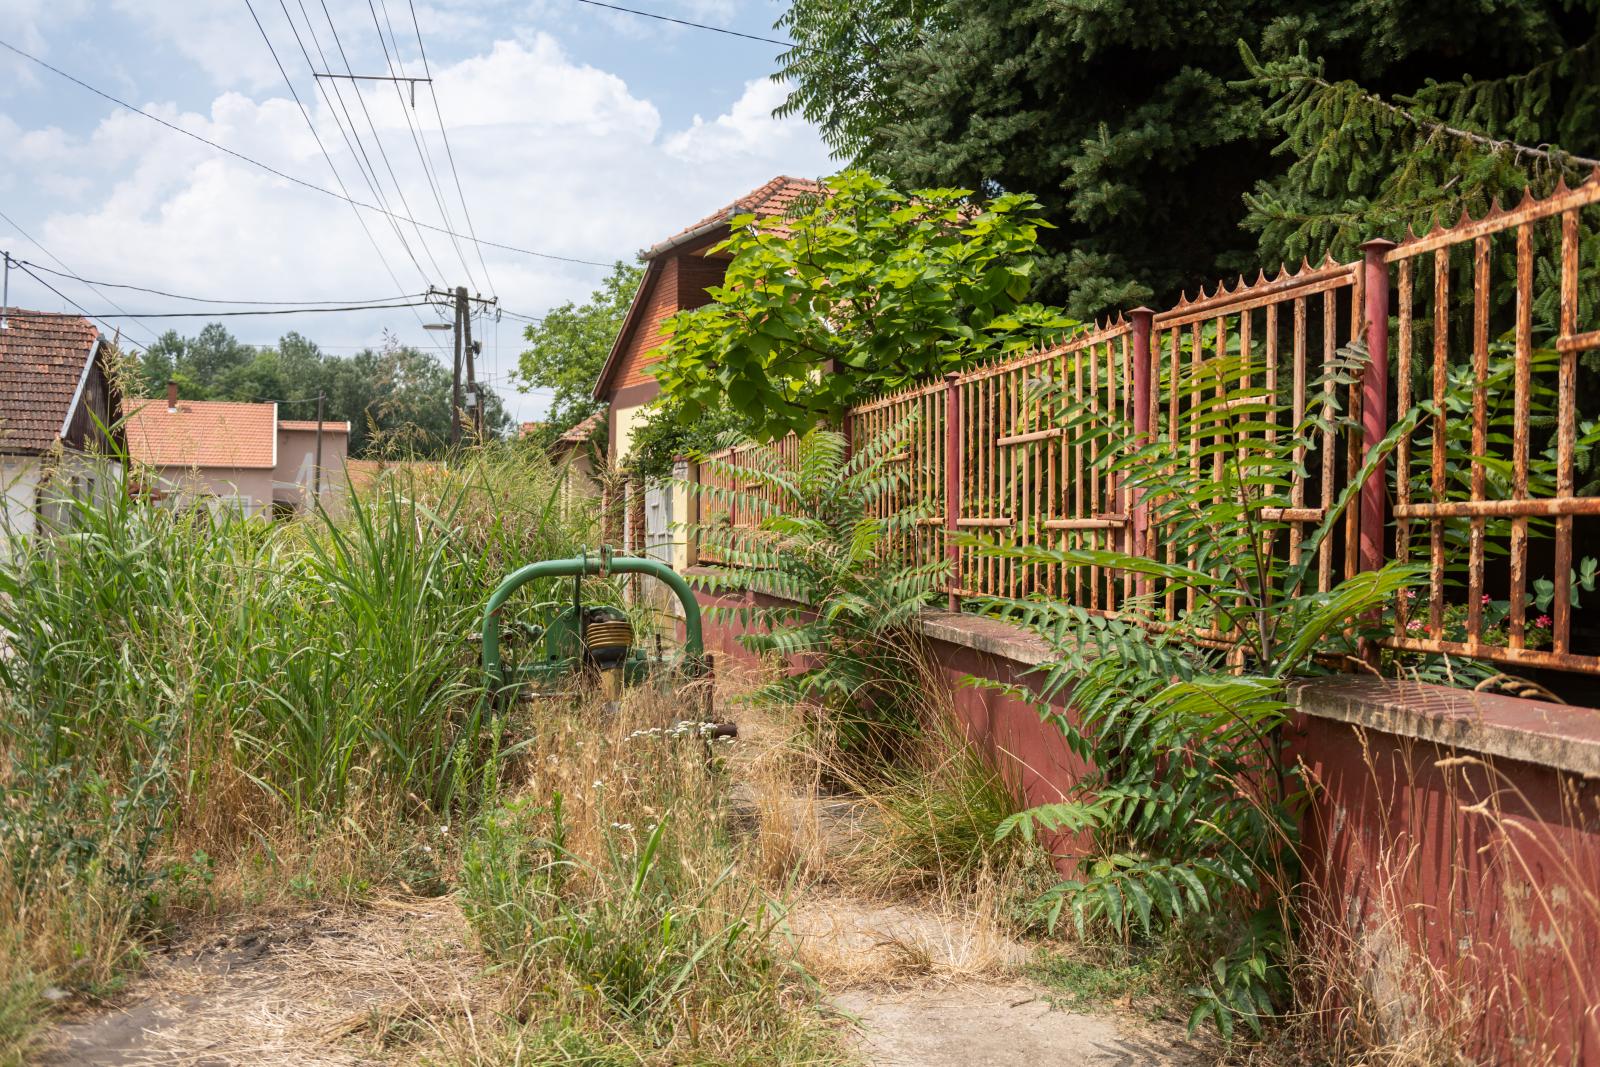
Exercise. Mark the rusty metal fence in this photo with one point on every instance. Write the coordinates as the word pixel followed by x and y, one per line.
pixel 1491 322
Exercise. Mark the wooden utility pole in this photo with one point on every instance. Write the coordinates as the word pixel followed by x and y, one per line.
pixel 473 398
pixel 455 384
pixel 316 473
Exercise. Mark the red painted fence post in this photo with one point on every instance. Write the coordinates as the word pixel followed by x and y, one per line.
pixel 1144 371
pixel 1374 398
pixel 952 482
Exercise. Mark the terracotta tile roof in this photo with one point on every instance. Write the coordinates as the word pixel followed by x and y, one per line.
pixel 769 201
pixel 581 433
pixel 202 433
pixel 42 358
pixel 311 424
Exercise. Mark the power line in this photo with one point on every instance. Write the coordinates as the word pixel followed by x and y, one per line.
pixel 444 136
pixel 13 224
pixel 226 314
pixel 325 154
pixel 429 172
pixel 84 312
pixel 280 174
pixel 212 300
pixel 377 138
pixel 694 25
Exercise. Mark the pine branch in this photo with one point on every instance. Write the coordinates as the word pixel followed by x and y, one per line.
pixel 1545 153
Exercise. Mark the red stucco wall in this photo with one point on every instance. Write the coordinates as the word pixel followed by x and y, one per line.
pixel 1462 892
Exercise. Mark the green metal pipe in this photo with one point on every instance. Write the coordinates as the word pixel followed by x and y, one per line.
pixel 694 643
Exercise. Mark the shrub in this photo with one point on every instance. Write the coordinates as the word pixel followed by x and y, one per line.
pixel 823 542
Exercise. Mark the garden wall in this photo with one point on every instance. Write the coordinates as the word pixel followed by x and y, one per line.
pixel 1453 843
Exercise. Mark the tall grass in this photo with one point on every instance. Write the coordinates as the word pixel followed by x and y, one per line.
pixel 181 681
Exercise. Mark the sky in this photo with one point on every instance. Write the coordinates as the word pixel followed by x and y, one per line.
pixel 575 131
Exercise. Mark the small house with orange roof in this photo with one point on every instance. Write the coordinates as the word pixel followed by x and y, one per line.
pixel 239 455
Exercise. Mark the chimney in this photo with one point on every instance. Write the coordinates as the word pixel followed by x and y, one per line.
pixel 172 397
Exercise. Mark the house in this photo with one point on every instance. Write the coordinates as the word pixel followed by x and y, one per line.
pixel 241 455
pixel 678 273
pixel 59 414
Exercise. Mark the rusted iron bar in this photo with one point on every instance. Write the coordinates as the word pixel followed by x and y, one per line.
pixel 954 462
pixel 1499 219
pixel 1030 436
pixel 1292 514
pixel 1578 342
pixel 1502 509
pixel 1103 522
pixel 1374 397
pixel 997 522
pixel 1144 369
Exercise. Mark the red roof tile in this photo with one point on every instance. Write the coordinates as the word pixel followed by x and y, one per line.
pixel 42 360
pixel 772 200
pixel 203 433
pixel 584 430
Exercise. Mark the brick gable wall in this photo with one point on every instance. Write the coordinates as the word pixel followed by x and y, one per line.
pixel 681 284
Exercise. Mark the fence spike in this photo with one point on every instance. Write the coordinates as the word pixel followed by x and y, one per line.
pixel 1283 271
pixel 1561 183
pixel 1527 196
pixel 1261 276
pixel 1304 266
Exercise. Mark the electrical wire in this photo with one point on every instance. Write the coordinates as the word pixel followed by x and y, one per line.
pixel 227 314
pixel 444 135
pixel 377 138
pixel 429 171
pixel 280 174
pixel 325 154
pixel 13 224
pixel 210 300
pixel 84 312
pixel 694 25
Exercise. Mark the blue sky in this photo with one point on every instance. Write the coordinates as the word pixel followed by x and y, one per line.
pixel 577 131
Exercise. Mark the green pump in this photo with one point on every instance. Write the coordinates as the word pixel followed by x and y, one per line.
pixel 574 637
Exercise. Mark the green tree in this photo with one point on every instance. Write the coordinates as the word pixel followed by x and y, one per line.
pixel 566 351
pixel 864 290
pixel 1362 165
pixel 1134 122
pixel 396 398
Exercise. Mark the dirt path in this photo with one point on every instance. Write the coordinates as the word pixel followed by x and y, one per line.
pixel 326 988
pixel 933 989
pixel 921 985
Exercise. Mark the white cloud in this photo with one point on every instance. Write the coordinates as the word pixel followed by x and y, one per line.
pixel 748 130
pixel 554 155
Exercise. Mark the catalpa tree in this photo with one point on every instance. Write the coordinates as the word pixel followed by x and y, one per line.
pixel 857 292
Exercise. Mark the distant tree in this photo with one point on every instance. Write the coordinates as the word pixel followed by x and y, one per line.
pixel 864 290
pixel 396 398
pixel 566 351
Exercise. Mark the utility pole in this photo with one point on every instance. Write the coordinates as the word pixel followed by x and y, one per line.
pixel 316 474
pixel 464 346
pixel 455 383
pixel 5 292
pixel 474 400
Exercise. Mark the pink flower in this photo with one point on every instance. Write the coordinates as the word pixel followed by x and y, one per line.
pixel 1486 598
pixel 1411 594
pixel 1543 622
pixel 1416 625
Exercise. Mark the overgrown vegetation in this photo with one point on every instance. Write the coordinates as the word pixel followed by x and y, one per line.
pixel 184 692
pixel 630 925
pixel 816 533
pixel 1187 794
pixel 865 289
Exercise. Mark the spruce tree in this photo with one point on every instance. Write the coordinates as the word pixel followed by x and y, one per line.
pixel 1142 127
